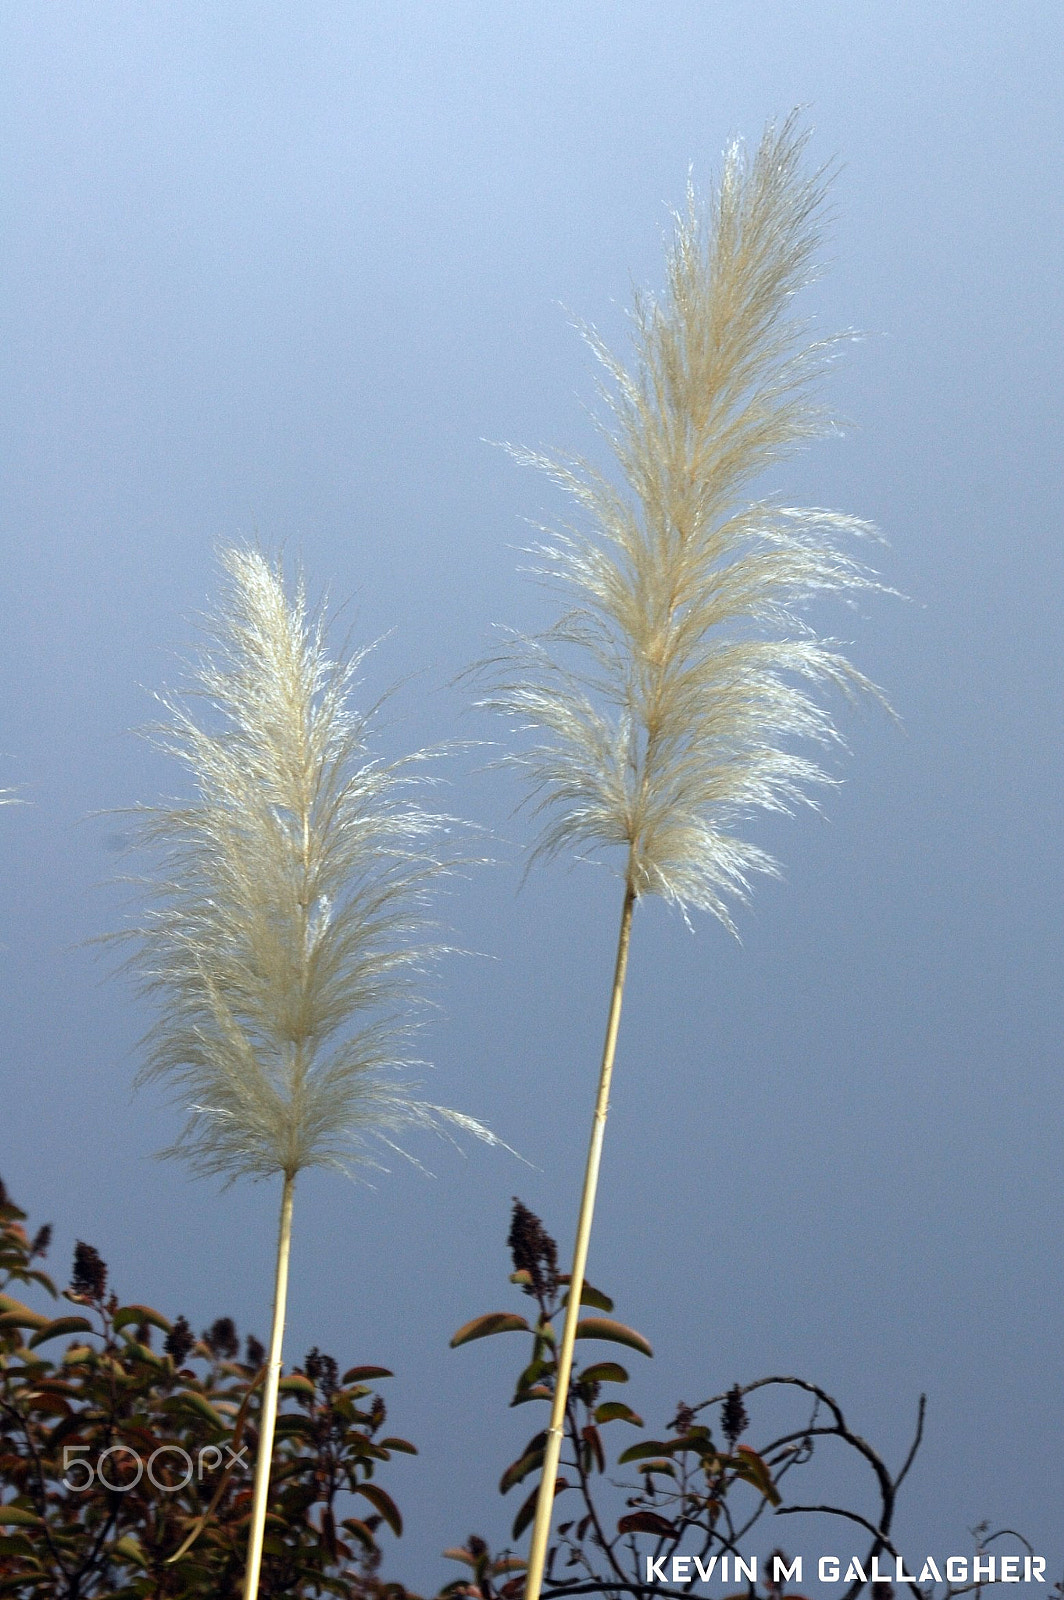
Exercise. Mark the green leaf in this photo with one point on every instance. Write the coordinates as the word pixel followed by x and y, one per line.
pixel 518 1470
pixel 361 1374
pixel 589 1295
pixel 532 1374
pixel 189 1400
pixel 56 1329
pixel 618 1332
pixel 493 1322
pixel 129 1547
pixel 697 1438
pixel 143 1352
pixel 16 1517
pixel 137 1314
pixel 295 1383
pixel 295 1425
pixel 22 1318
pixel 603 1372
pixel 640 1452
pixel 617 1411
pixel 384 1504
pixel 404 1445
pixel 8 1303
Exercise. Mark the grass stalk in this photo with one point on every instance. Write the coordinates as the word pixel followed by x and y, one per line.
pixel 665 701
pixel 556 1431
pixel 282 940
pixel 269 1400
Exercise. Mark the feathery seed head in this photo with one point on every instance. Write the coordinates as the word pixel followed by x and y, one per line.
pixel 282 940
pixel 667 694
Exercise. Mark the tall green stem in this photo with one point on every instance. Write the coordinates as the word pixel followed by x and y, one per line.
pixel 269 1399
pixel 552 1454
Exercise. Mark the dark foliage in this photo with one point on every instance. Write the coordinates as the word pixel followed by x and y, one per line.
pixel 125 1472
pixel 82 1518
pixel 686 1489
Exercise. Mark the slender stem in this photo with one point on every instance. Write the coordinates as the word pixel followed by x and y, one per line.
pixel 269 1399
pixel 545 1501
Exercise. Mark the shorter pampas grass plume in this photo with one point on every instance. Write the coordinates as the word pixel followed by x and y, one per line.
pixel 286 927
pixel 666 700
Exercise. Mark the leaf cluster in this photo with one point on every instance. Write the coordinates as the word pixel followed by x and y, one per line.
pixel 696 1487
pixel 701 1470
pixel 129 1381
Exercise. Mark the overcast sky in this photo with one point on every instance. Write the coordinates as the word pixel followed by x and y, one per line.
pixel 279 271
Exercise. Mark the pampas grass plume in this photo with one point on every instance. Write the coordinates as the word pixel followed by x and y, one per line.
pixel 666 699
pixel 282 939
pixel 667 694
pixel 286 924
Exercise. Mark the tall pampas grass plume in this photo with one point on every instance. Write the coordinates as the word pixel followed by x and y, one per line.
pixel 286 929
pixel 665 700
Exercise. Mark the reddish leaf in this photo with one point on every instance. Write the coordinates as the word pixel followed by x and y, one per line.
pixel 538 1391
pixel 646 1522
pixel 528 1510
pixel 454 1554
pixel 361 1533
pixel 590 1435
pixel 753 1469
pixel 384 1504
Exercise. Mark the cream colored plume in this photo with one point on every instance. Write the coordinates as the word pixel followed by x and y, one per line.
pixel 668 696
pixel 666 700
pixel 287 924
pixel 289 903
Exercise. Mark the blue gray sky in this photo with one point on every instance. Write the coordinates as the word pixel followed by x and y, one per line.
pixel 279 271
